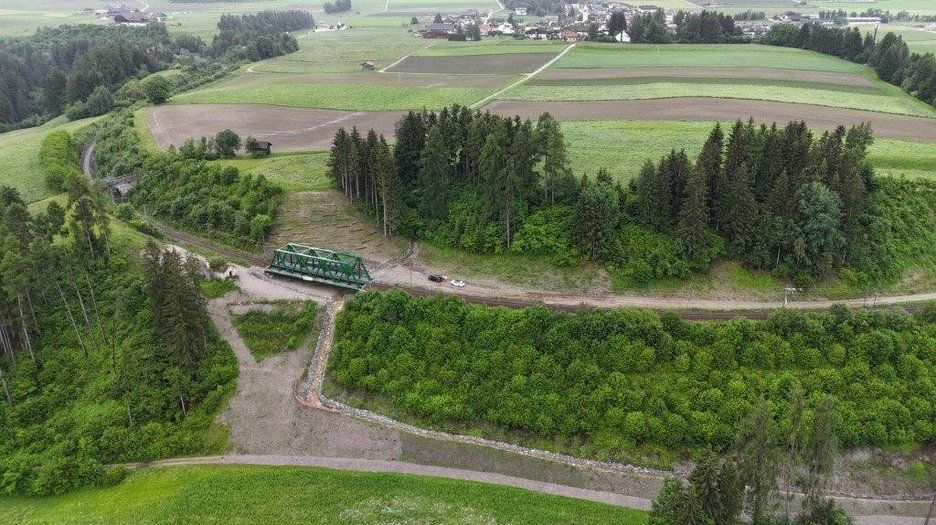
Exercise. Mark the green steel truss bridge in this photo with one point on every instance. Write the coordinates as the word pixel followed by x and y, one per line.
pixel 323 266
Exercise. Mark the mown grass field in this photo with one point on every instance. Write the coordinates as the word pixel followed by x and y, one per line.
pixel 19 157
pixel 490 46
pixel 897 103
pixel 917 39
pixel 336 96
pixel 287 495
pixel 701 55
pixel 343 51
pixel 294 171
pixel 621 146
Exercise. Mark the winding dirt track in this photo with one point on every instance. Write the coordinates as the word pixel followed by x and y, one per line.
pixel 697 109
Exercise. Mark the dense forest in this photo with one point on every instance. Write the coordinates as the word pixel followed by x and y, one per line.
pixel 258 36
pixel 889 56
pixel 80 69
pixel 104 359
pixel 776 198
pixel 605 383
pixel 42 74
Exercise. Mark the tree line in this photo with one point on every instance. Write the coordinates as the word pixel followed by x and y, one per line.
pixel 796 453
pixel 337 6
pixel 626 384
pixel 703 27
pixel 778 198
pixel 889 56
pixel 42 75
pixel 100 361
pixel 259 36
pixel 81 69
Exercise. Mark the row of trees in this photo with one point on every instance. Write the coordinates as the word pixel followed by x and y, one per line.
pixel 259 36
pixel 798 454
pixel 337 6
pixel 775 196
pixel 702 27
pixel 889 56
pixel 609 383
pixel 778 198
pixel 92 371
pixel 465 175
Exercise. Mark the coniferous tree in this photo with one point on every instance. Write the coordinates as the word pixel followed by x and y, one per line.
pixel 597 215
pixel 693 217
pixel 388 187
pixel 757 450
pixel 435 173
pixel 410 141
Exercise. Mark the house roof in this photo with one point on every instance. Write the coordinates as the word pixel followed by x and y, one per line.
pixel 435 26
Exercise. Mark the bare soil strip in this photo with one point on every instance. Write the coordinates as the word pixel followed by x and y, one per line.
pixel 790 75
pixel 899 127
pixel 289 129
pixel 516 63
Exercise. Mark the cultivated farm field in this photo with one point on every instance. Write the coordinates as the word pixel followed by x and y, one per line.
pixel 644 72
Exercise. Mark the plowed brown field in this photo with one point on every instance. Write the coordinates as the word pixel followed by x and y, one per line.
pixel 289 129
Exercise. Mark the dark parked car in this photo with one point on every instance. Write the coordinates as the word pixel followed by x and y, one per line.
pixel 436 278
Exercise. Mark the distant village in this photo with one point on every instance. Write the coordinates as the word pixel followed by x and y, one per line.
pixel 574 25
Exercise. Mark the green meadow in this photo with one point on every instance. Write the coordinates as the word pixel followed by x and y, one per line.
pixel 701 55
pixel 293 171
pixel 287 495
pixel 19 157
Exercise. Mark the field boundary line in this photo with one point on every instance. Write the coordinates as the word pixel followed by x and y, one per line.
pixel 384 70
pixel 484 101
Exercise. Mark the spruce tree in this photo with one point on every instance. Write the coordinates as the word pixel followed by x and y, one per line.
pixel 410 140
pixel 757 449
pixel 435 172
pixel 693 217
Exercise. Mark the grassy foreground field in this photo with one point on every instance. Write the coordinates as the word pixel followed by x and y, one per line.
pixel 255 494
pixel 295 172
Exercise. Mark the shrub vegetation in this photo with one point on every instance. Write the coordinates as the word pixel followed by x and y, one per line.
pixel 607 383
pixel 281 330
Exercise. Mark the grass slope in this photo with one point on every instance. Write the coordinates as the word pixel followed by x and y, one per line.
pixel 19 157
pixel 293 171
pixel 271 495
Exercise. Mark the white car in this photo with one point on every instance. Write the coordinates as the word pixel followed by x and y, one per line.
pixel 458 283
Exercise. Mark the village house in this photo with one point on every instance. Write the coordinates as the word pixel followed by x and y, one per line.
pixel 439 30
